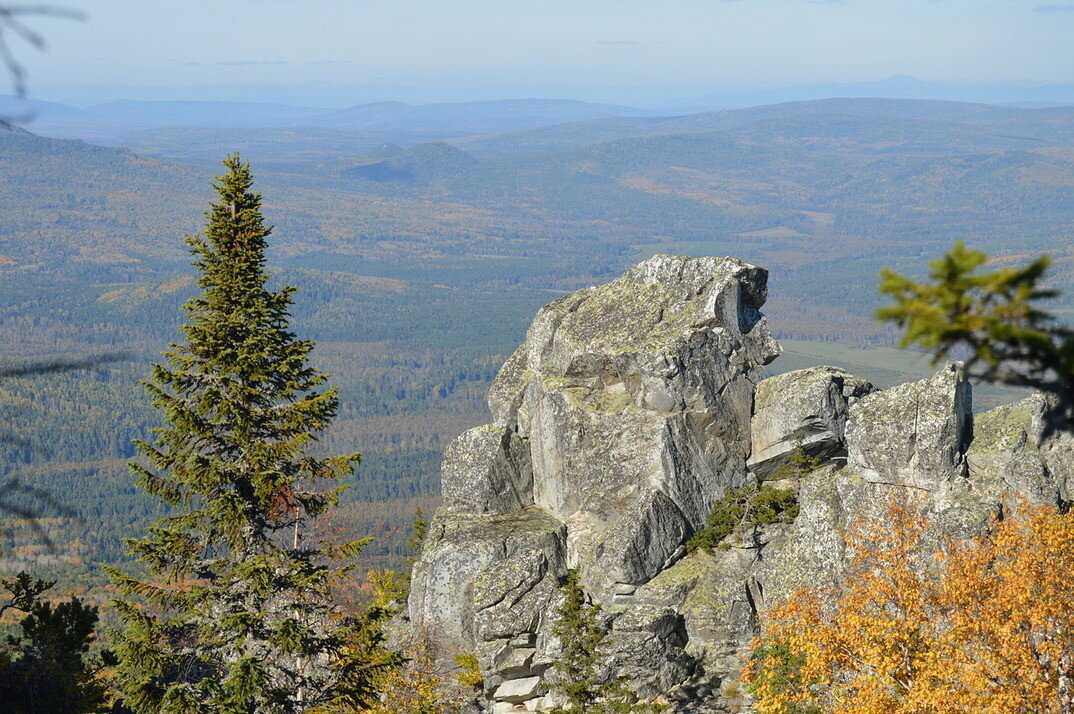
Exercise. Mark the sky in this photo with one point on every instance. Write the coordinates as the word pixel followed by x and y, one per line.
pixel 337 52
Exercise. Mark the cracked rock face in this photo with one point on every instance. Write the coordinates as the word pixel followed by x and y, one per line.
pixel 806 408
pixel 629 410
pixel 487 470
pixel 914 434
pixel 634 399
pixel 619 421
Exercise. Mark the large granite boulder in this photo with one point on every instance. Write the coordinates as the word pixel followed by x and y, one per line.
pixel 450 595
pixel 626 414
pixel 487 470
pixel 914 434
pixel 806 408
pixel 640 543
pixel 635 398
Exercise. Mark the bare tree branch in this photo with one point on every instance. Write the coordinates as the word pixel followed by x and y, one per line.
pixel 23 591
pixel 13 26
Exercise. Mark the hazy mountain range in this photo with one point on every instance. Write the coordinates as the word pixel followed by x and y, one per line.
pixel 112 119
pixel 107 120
pixel 422 244
pixel 901 87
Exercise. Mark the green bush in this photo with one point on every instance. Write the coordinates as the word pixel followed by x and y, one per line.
pixel 744 507
pixel 799 464
pixel 470 670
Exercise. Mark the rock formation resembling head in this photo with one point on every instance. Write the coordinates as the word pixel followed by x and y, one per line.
pixel 618 422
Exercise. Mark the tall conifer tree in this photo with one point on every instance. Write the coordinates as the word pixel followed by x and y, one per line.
pixel 234 613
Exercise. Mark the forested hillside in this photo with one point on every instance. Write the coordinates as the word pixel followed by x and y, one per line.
pixel 419 266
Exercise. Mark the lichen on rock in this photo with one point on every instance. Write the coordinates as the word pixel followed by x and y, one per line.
pixel 804 409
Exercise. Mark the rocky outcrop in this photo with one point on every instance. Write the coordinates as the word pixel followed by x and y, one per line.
pixel 625 415
pixel 1013 451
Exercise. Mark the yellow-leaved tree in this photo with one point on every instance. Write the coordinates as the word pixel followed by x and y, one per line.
pixel 984 625
pixel 423 684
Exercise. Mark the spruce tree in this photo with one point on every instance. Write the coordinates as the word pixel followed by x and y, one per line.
pixel 583 640
pixel 234 611
pixel 993 319
pixel 581 636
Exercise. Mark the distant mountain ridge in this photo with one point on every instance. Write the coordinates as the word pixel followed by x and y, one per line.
pixel 468 117
pixel 304 142
pixel 1040 121
pixel 505 126
pixel 429 121
pixel 15 108
pixel 897 172
pixel 898 87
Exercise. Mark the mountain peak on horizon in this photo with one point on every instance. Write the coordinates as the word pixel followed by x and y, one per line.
pixel 903 79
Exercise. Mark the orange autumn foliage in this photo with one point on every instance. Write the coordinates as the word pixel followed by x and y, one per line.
pixel 984 625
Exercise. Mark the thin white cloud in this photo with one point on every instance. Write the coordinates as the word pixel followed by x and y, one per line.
pixel 247 63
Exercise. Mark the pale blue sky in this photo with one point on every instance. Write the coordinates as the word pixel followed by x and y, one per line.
pixel 292 49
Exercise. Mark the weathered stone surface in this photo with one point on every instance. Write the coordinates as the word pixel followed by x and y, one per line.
pixel 507 708
pixel 914 434
pixel 629 410
pixel 1011 452
pixel 514 601
pixel 641 543
pixel 806 408
pixel 510 596
pixel 617 424
pixel 457 550
pixel 640 386
pixel 505 394
pixel 515 691
pixel 487 470
pixel 648 644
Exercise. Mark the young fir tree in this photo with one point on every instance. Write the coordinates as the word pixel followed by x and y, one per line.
pixel 234 613
pixel 581 635
pixel 583 640
pixel 47 668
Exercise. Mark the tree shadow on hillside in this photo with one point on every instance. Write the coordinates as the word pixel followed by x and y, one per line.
pixel 27 503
